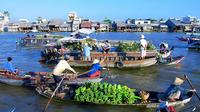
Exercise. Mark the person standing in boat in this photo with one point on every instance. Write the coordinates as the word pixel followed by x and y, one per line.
pixel 143 47
pixel 95 70
pixel 59 70
pixel 9 67
pixel 86 52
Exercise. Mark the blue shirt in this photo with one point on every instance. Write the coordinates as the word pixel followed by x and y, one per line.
pixel 8 66
pixel 94 69
pixel 174 88
pixel 86 50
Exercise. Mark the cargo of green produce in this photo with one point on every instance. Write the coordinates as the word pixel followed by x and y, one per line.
pixel 104 93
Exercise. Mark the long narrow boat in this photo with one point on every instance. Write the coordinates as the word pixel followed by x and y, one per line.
pixel 173 61
pixel 113 59
pixel 153 100
pixel 31 78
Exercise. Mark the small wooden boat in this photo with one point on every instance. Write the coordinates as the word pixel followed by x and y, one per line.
pixel 194 45
pixel 153 100
pixel 30 79
pixel 185 39
pixel 172 61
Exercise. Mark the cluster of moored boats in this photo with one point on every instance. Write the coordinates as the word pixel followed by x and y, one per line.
pixel 44 82
pixel 193 40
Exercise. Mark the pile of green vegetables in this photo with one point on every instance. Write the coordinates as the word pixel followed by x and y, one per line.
pixel 78 45
pixel 133 46
pixel 104 93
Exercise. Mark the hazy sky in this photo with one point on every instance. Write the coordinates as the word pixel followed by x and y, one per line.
pixel 99 9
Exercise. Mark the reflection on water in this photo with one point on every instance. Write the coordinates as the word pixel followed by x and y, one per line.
pixel 156 78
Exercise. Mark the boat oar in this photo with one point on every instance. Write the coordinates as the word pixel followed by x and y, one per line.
pixel 106 58
pixel 188 80
pixel 45 109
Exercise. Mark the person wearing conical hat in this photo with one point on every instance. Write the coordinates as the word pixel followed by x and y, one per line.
pixel 143 47
pixel 95 70
pixel 175 91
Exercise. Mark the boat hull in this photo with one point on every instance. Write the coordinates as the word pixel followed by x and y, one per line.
pixel 175 60
pixel 153 99
pixel 31 80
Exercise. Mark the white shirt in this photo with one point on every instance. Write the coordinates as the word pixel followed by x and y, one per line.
pixel 143 43
pixel 61 67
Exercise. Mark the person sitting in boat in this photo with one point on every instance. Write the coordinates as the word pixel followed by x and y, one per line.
pixel 9 67
pixel 175 91
pixel 86 52
pixel 165 52
pixel 106 46
pixel 143 47
pixel 163 48
pixel 95 70
pixel 59 70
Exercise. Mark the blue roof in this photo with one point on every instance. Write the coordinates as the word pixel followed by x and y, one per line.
pixel 176 22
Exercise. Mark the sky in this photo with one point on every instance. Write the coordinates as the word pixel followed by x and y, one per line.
pixel 99 9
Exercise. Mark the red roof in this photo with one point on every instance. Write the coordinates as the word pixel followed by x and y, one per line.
pixel 86 24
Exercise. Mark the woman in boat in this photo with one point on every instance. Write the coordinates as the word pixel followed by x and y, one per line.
pixel 95 70
pixel 163 48
pixel 106 46
pixel 59 70
pixel 9 67
pixel 175 91
pixel 143 47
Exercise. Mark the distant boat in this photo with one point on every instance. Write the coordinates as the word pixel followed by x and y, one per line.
pixel 195 44
pixel 195 34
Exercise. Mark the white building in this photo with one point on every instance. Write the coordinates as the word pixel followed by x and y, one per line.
pixel 72 17
pixel 4 19
pixel 141 22
pixel 190 20
pixel 104 27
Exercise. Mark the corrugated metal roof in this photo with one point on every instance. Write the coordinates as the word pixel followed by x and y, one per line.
pixel 176 22
pixel 56 22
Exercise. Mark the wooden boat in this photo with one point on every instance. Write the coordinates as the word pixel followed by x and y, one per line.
pixel 113 59
pixel 185 39
pixel 173 61
pixel 30 79
pixel 194 45
pixel 153 100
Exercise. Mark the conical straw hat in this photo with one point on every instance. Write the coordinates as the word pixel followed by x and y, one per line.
pixel 178 81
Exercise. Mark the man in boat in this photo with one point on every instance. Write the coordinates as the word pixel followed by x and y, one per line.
pixel 143 47
pixel 86 52
pixel 95 70
pixel 106 46
pixel 9 67
pixel 175 91
pixel 59 70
